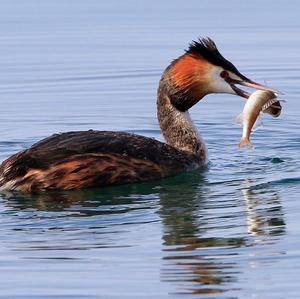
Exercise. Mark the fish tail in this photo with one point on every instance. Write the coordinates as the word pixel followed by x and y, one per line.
pixel 245 141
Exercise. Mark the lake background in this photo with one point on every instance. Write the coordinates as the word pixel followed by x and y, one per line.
pixel 229 231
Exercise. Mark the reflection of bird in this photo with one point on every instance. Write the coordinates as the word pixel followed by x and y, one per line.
pixel 94 158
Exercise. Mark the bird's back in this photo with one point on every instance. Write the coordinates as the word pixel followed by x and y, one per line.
pixel 85 159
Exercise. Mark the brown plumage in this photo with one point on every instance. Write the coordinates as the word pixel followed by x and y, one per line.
pixel 97 158
pixel 91 158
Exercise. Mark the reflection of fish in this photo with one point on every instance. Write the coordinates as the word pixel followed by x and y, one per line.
pixel 264 209
pixel 260 101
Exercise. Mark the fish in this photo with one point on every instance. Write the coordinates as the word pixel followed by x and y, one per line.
pixel 260 101
pixel 275 109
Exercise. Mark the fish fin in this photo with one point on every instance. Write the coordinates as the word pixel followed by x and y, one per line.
pixel 245 141
pixel 239 119
pixel 270 103
pixel 258 123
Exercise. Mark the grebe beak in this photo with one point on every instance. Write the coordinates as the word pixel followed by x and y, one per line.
pixel 248 83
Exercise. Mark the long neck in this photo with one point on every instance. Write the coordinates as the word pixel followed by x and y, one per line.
pixel 177 126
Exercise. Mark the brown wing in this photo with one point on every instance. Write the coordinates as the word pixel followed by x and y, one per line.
pixel 91 158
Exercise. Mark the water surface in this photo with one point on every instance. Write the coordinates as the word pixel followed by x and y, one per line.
pixel 228 231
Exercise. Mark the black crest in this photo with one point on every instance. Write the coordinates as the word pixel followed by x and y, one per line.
pixel 206 48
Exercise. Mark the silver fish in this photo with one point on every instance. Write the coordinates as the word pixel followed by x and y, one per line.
pixel 259 101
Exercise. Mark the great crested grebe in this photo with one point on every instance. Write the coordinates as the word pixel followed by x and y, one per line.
pixel 85 159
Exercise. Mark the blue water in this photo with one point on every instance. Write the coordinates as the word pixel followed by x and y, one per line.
pixel 229 231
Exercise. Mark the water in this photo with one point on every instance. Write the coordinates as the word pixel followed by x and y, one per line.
pixel 229 231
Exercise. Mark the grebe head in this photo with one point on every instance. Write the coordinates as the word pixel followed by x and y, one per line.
pixel 203 70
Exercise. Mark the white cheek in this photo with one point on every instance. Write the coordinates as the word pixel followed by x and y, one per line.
pixel 221 86
pixel 218 84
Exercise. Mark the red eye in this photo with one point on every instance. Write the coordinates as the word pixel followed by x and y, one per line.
pixel 224 74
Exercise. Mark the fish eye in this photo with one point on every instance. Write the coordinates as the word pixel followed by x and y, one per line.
pixel 224 74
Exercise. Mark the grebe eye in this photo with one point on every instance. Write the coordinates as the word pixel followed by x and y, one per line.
pixel 224 74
